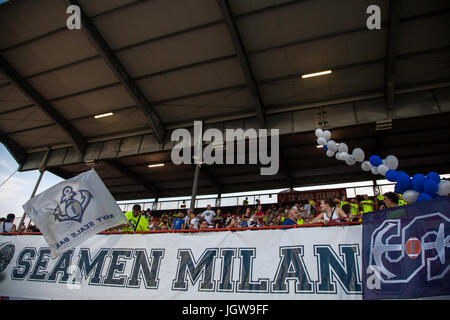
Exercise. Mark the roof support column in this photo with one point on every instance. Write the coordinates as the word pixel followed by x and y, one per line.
pixel 195 185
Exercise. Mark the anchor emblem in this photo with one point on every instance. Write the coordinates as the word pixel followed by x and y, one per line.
pixel 72 209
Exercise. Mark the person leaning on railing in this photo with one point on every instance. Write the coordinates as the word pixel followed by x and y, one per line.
pixel 136 221
pixel 329 212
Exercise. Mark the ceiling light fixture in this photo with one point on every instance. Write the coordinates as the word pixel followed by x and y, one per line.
pixel 104 115
pixel 310 75
pixel 156 165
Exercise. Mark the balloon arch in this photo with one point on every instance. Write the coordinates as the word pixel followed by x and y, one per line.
pixel 417 188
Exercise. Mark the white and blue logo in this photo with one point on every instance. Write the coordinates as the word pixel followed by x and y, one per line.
pixel 72 205
pixel 408 256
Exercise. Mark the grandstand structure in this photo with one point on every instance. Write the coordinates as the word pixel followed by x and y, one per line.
pixel 159 65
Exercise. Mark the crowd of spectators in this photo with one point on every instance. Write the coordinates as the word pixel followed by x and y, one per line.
pixel 258 215
pixel 245 215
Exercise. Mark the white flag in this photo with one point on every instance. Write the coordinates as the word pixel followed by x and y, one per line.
pixel 72 211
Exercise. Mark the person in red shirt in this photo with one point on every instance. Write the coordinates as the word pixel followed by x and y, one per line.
pixel 260 215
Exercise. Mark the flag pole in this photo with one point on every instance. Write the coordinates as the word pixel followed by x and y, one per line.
pixel 41 173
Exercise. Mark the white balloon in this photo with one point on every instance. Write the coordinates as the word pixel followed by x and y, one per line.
pixel 382 169
pixel 358 154
pixel 374 170
pixel 330 153
pixel 444 188
pixel 331 145
pixel 327 135
pixel 338 155
pixel 321 141
pixel 342 147
pixel 344 156
pixel 366 166
pixel 319 133
pixel 391 162
pixel 351 161
pixel 410 196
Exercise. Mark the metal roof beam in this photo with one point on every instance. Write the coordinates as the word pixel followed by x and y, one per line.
pixel 243 60
pixel 251 81
pixel 133 176
pixel 31 93
pixel 119 70
pixel 18 153
pixel 391 53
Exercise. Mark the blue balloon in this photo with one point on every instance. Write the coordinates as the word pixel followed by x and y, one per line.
pixel 400 189
pixel 375 161
pixel 391 175
pixel 430 186
pixel 404 179
pixel 325 148
pixel 417 182
pixel 434 176
pixel 424 197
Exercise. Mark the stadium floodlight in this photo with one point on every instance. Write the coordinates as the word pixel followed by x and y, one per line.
pixel 103 115
pixel 316 74
pixel 156 165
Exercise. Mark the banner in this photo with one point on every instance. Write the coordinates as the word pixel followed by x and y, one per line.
pixel 315 195
pixel 301 263
pixel 74 210
pixel 407 251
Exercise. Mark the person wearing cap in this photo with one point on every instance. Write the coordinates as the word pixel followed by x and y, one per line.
pixel 136 221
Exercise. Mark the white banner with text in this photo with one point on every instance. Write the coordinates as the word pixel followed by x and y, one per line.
pixel 301 263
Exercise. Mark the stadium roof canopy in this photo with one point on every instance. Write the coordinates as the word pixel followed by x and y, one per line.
pixel 159 65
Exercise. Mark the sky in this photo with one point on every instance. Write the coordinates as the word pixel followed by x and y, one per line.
pixel 17 190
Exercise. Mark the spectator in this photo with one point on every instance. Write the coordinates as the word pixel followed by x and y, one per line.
pixel 391 199
pixel 291 218
pixel 8 225
pixel 204 224
pixel 329 212
pixel 233 223
pixel 193 221
pixel 153 224
pixel 136 222
pixel 244 221
pixel 209 215
pixel 252 222
pixel 219 221
pixel 346 208
pixel 354 209
pixel 33 228
pixel 260 215
pixel 245 202
pixel 187 218
pixel 178 223
pixel 366 205
pixel 343 202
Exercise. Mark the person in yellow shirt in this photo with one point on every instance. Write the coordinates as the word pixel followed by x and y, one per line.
pixel 354 210
pixel 366 205
pixel 343 201
pixel 136 222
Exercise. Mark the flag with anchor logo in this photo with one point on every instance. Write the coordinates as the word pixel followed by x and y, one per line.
pixel 74 210
pixel 406 252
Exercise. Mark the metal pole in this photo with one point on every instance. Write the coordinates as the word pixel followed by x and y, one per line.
pixel 194 186
pixel 41 173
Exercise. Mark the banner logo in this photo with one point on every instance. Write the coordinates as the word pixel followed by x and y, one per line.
pixel 72 209
pixel 6 254
pixel 399 254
